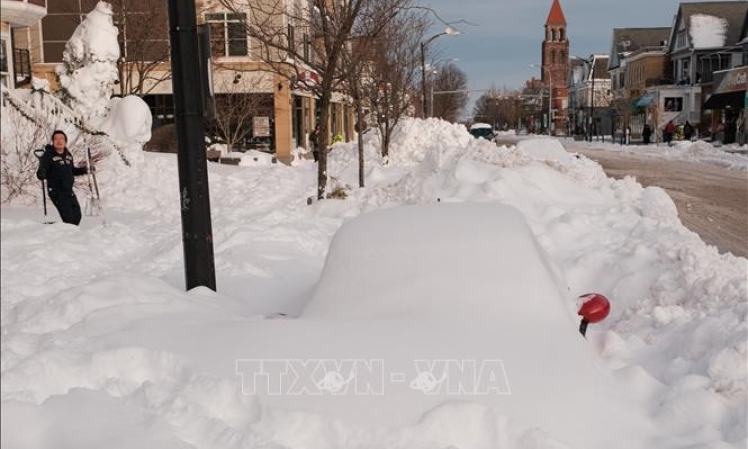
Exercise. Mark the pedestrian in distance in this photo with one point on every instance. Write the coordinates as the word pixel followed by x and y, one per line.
pixel 313 136
pixel 688 131
pixel 668 131
pixel 57 168
pixel 646 134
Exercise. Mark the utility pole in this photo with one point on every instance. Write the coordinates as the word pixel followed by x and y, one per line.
pixel 449 31
pixel 592 96
pixel 189 111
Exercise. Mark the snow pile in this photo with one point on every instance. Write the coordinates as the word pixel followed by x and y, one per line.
pixel 90 63
pixel 114 336
pixel 129 120
pixel 708 31
pixel 128 124
pixel 727 156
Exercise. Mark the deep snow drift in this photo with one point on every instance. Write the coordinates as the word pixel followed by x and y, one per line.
pixel 101 346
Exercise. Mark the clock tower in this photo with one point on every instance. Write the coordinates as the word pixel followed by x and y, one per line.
pixel 555 67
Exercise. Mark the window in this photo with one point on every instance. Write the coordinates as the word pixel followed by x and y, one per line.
pixel 673 103
pixel 553 35
pixel 680 40
pixel 3 58
pixel 553 56
pixel 227 34
pixel 562 57
pixel 291 38
pixel 162 108
pixel 561 35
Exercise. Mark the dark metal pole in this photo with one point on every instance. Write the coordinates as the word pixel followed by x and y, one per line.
pixel 197 236
pixel 592 97
pixel 423 79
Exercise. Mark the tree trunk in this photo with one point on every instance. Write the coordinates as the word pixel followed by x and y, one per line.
pixel 322 143
pixel 360 121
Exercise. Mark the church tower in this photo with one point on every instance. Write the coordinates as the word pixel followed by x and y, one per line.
pixel 556 65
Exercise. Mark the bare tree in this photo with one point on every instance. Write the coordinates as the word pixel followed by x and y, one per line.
pixel 326 29
pixel 372 68
pixel 236 107
pixel 502 109
pixel 450 92
pixel 144 45
pixel 392 81
pixel 18 166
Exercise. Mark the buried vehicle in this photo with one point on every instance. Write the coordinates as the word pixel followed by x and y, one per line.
pixel 459 302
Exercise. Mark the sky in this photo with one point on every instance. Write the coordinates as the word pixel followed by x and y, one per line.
pixel 503 38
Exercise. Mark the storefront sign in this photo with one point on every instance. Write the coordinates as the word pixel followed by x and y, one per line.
pixel 260 126
pixel 733 80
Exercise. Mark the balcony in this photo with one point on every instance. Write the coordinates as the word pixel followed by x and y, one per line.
pixel 22 13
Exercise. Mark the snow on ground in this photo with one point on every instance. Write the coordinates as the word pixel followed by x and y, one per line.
pixel 95 319
pixel 730 156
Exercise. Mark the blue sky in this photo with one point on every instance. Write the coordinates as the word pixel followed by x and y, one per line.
pixel 507 34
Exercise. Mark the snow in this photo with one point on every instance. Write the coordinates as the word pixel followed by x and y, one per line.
pixel 731 156
pixel 129 120
pixel 707 31
pixel 89 66
pixel 95 318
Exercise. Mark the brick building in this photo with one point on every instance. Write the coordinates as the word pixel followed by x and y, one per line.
pixel 555 66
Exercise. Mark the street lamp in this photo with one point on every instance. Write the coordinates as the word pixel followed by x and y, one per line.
pixel 592 95
pixel 431 85
pixel 550 93
pixel 448 31
pixel 590 64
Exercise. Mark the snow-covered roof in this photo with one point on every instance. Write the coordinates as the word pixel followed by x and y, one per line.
pixel 712 24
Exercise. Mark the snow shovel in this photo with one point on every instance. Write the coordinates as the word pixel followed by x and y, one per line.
pixel 39 153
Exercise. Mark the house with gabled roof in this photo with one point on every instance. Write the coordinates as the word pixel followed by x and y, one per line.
pixel 636 61
pixel 705 39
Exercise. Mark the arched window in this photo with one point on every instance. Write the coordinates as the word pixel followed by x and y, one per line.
pixel 561 34
pixel 553 35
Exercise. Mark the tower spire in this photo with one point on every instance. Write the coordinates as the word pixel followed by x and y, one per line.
pixel 556 15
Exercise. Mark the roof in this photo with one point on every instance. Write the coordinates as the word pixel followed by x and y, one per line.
pixel 556 15
pixel 600 70
pixel 732 12
pixel 628 40
pixel 632 39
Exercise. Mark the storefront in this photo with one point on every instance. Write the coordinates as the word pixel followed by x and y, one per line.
pixel 728 105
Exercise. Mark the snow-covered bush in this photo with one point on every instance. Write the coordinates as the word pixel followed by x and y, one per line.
pixel 89 67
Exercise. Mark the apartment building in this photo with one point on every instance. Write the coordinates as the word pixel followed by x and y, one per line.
pixel 284 108
pixel 20 39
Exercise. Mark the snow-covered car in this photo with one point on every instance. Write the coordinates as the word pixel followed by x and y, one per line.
pixel 482 131
pixel 466 296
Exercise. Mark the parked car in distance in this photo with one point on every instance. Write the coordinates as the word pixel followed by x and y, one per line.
pixel 483 130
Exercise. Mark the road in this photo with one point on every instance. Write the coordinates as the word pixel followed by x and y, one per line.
pixel 712 201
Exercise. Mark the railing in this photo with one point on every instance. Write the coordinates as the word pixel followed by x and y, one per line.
pixel 48 112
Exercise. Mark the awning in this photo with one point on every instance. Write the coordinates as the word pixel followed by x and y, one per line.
pixel 645 101
pixel 727 99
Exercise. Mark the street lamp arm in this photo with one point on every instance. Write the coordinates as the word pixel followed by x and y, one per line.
pixel 448 31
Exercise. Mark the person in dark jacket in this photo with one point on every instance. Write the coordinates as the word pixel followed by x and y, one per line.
pixel 687 131
pixel 56 167
pixel 646 134
pixel 313 137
